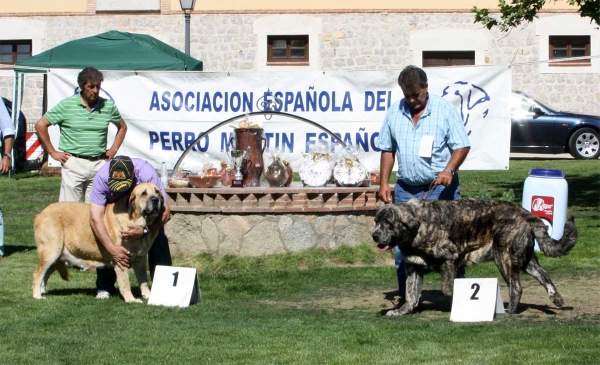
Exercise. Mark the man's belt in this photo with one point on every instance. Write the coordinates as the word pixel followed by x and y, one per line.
pixel 89 158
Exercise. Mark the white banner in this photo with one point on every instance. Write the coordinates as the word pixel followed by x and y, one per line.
pixel 166 111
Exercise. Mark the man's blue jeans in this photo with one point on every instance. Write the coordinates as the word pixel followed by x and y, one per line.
pixel 404 192
pixel 159 254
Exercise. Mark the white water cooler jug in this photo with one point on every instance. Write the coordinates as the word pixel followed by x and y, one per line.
pixel 545 194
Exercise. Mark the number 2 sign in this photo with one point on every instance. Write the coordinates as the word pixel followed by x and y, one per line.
pixel 476 300
pixel 174 286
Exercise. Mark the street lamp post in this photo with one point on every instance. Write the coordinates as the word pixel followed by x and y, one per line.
pixel 187 6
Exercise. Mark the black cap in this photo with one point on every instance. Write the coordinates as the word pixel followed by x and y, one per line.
pixel 120 174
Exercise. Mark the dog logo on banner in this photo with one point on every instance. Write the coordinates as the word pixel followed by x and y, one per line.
pixel 472 98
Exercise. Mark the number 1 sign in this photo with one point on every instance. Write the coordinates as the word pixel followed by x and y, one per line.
pixel 174 286
pixel 476 300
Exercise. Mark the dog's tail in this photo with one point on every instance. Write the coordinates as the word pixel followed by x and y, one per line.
pixel 551 247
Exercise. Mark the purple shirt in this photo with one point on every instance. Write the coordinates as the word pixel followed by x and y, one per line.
pixel 143 172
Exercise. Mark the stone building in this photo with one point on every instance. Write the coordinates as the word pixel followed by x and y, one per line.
pixel 326 35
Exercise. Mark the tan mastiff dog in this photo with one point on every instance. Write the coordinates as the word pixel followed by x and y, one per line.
pixel 63 234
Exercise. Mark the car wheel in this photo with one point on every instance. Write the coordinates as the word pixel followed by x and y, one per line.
pixel 585 144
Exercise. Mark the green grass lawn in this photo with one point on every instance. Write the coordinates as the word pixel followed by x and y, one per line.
pixel 310 307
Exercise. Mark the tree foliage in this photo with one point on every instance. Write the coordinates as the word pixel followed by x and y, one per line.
pixel 523 11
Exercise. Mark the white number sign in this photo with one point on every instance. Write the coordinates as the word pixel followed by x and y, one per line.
pixel 174 286
pixel 476 300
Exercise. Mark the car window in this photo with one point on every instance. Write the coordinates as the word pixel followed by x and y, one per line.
pixel 520 107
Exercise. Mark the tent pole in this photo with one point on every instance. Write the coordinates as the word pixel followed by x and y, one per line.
pixel 16 109
pixel 45 96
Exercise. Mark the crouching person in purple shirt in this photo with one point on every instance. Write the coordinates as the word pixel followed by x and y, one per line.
pixel 113 181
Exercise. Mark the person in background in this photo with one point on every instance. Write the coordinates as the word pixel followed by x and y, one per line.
pixel 7 132
pixel 113 181
pixel 426 133
pixel 83 120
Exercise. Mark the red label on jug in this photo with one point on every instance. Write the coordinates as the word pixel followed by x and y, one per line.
pixel 543 207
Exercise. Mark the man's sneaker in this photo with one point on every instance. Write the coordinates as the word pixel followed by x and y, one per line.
pixel 102 294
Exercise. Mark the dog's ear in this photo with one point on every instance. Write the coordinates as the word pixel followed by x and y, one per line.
pixel 390 213
pixel 160 196
pixel 407 218
pixel 411 222
pixel 131 207
pixel 161 202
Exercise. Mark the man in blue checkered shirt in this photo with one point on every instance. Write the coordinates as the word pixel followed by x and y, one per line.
pixel 427 135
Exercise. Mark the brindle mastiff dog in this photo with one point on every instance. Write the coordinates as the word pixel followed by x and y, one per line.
pixel 444 235
pixel 63 234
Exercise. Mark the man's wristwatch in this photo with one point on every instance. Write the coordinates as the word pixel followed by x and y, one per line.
pixel 8 155
pixel 450 171
pixel 145 231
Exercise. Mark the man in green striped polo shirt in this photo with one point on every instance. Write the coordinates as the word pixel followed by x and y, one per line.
pixel 83 120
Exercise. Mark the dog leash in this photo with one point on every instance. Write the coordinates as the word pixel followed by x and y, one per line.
pixel 431 187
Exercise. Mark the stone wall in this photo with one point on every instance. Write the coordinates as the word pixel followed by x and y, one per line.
pixel 264 234
pixel 256 221
pixel 352 41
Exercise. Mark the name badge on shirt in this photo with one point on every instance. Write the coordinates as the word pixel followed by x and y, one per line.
pixel 426 146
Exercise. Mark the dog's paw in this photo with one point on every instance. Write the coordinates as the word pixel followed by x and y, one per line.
pixel 393 313
pixel 134 300
pixel 405 309
pixel 557 299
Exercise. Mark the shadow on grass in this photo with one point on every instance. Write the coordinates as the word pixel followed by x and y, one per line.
pixel 523 307
pixel 431 300
pixel 539 158
pixel 91 292
pixel 70 292
pixel 9 250
pixel 583 191
pixel 23 175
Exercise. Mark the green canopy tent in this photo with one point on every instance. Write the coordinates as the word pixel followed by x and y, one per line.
pixel 112 50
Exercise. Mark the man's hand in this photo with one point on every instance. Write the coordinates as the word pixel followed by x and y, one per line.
pixel 5 165
pixel 109 154
pixel 385 193
pixel 60 156
pixel 166 214
pixel 444 178
pixel 121 256
pixel 385 170
pixel 134 232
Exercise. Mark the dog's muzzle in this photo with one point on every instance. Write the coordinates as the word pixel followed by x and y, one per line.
pixel 152 206
pixel 377 235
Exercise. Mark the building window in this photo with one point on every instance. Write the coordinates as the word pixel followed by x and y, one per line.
pixel 567 47
pixel 287 50
pixel 128 5
pixel 448 58
pixel 12 51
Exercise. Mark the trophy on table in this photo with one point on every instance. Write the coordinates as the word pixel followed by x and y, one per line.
pixel 237 156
